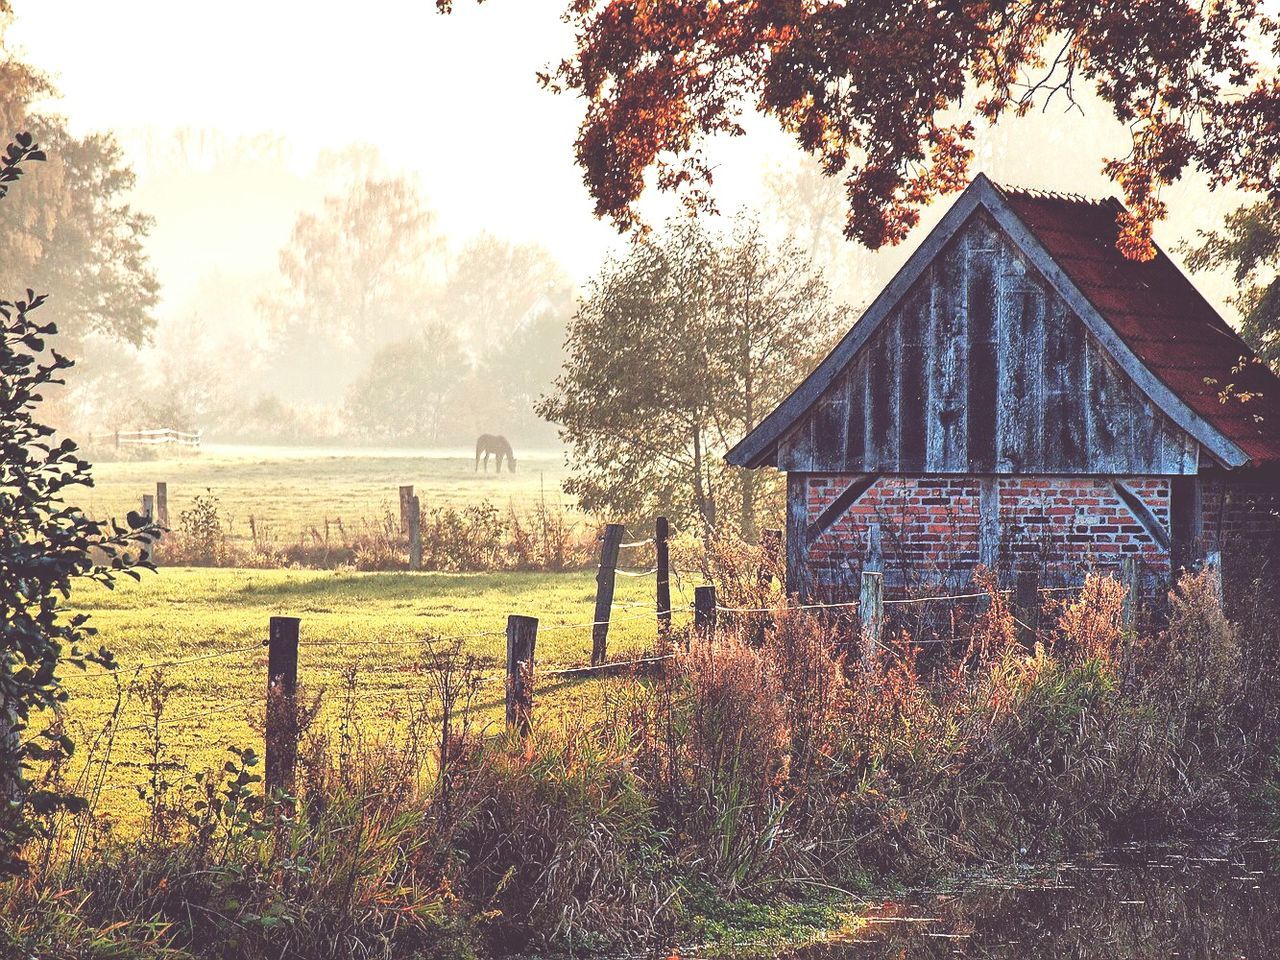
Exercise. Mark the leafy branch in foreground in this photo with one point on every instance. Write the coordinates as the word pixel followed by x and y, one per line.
pixel 889 96
pixel 45 545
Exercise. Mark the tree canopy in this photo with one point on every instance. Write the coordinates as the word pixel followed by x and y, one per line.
pixel 1249 246
pixel 887 94
pixel 676 350
pixel 71 231
pixel 354 273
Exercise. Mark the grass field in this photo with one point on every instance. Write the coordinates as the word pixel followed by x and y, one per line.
pixel 287 490
pixel 375 620
pixel 213 621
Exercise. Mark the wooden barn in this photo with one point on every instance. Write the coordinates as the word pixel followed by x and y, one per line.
pixel 1022 396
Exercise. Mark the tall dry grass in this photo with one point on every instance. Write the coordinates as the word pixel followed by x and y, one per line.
pixel 761 762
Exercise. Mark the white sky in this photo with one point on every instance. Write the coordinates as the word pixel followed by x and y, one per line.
pixel 453 99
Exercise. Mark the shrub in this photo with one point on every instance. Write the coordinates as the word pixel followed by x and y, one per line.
pixel 199 539
pixel 45 547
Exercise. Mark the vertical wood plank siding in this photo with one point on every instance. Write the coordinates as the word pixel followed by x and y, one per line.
pixel 982 368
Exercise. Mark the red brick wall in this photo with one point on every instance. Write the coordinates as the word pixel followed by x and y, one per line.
pixel 929 528
pixel 1240 511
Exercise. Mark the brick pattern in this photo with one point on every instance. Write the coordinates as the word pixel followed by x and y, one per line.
pixel 1239 512
pixel 929 528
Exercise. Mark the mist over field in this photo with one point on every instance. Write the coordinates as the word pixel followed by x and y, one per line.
pixel 333 266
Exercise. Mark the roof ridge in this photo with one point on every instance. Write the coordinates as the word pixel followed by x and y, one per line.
pixel 1039 193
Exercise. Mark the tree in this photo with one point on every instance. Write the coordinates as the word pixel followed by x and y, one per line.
pixel 70 231
pixel 352 275
pixel 45 546
pixel 675 351
pixel 810 208
pixel 1249 246
pixel 506 386
pixel 886 94
pixel 492 288
pixel 404 393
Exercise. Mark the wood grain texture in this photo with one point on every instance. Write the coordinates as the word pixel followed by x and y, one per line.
pixel 981 367
pixel 982 220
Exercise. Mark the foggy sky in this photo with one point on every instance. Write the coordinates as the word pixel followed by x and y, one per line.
pixel 451 99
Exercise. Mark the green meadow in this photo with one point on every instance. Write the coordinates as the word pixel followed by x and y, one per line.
pixel 202 632
pixel 290 490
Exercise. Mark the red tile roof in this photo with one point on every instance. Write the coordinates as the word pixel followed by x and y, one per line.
pixel 1162 318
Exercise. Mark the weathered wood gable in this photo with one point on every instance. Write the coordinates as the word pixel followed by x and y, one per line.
pixel 983 368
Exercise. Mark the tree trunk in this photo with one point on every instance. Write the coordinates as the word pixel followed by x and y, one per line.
pixel 748 520
pixel 705 508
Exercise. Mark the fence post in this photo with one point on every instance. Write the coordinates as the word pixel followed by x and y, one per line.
pixel 406 505
pixel 282 715
pixel 149 514
pixel 522 637
pixel 661 531
pixel 162 503
pixel 1026 606
pixel 871 611
pixel 704 610
pixel 415 534
pixel 1213 560
pixel 1131 578
pixel 604 591
pixel 117 439
pixel 771 541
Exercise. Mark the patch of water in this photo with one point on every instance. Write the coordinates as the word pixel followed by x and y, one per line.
pixel 1216 901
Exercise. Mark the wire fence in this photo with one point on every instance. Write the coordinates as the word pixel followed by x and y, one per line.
pixel 427 650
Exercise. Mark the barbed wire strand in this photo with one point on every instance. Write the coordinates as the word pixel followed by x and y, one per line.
pixel 125 670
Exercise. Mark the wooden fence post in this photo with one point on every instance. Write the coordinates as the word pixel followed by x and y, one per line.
pixel 1213 560
pixel 149 513
pixel 604 591
pixel 406 505
pixel 282 714
pixel 771 541
pixel 1131 577
pixel 415 534
pixel 1026 605
pixel 704 610
pixel 871 611
pixel 661 532
pixel 162 503
pixel 522 637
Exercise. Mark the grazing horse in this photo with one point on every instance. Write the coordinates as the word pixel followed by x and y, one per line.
pixel 490 445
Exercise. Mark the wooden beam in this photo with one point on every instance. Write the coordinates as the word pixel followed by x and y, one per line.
pixel 1142 513
pixel 797 542
pixel 839 507
pixel 989 522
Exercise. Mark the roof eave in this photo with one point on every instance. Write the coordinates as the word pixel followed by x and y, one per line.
pixel 1221 447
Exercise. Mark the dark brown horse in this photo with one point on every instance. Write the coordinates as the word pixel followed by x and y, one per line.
pixel 490 445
